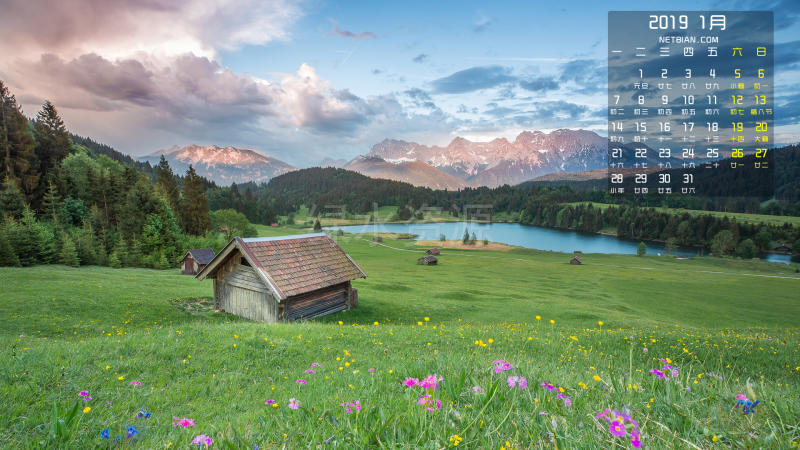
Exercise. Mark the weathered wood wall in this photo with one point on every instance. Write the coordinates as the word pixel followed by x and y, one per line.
pixel 239 290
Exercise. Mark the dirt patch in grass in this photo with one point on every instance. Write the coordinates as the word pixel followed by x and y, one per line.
pixel 193 305
pixel 478 245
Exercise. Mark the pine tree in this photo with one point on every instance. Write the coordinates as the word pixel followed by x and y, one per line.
pixel 12 201
pixel 68 255
pixel 166 180
pixel 120 252
pixel 194 205
pixel 17 145
pixel 160 261
pixel 51 201
pixel 52 144
pixel 317 225
pixel 7 256
pixel 641 249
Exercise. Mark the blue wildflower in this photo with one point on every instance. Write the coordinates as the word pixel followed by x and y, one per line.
pixel 131 431
pixel 105 434
pixel 144 414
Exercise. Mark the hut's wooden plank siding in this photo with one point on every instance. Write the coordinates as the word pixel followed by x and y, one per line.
pixel 245 277
pixel 318 303
pixel 254 305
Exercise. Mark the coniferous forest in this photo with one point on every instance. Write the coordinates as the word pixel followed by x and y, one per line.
pixel 73 201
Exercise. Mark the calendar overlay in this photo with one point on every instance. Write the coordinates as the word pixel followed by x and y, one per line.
pixel 690 103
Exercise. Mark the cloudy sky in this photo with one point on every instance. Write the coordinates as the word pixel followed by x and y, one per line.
pixel 306 80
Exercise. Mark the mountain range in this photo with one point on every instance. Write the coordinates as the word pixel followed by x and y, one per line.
pixel 223 165
pixel 465 163
pixel 460 164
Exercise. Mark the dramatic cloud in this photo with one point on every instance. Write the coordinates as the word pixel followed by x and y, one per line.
pixel 422 57
pixel 116 28
pixel 338 32
pixel 473 79
pixel 311 102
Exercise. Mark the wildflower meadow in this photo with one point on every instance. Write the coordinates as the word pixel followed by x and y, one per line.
pixel 135 358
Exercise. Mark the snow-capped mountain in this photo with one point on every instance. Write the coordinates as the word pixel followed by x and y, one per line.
pixel 497 162
pixel 224 165
pixel 417 173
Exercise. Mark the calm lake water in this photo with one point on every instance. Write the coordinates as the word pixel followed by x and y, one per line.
pixel 528 236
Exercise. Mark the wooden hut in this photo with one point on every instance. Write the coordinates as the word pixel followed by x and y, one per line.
pixel 195 260
pixel 377 239
pixel 575 261
pixel 783 248
pixel 283 278
pixel 429 260
pixel 433 251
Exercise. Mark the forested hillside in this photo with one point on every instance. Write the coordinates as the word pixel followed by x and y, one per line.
pixel 80 202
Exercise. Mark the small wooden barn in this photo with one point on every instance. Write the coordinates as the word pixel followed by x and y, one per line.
pixel 783 248
pixel 433 251
pixel 429 260
pixel 283 278
pixel 195 260
pixel 377 239
pixel 575 261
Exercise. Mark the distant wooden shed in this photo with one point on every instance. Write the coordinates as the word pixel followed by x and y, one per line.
pixel 429 260
pixel 283 278
pixel 575 260
pixel 377 239
pixel 433 251
pixel 195 260
pixel 782 248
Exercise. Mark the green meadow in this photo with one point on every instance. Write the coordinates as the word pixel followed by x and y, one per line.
pixel 594 334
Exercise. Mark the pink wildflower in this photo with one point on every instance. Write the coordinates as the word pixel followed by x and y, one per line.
pixel 300 381
pixel 516 380
pixel 410 382
pixel 502 365
pixel 549 386
pixel 617 428
pixel 349 407
pixel 294 403
pixel 202 440
pixel 635 441
pixel 185 422
pixel 430 382
pixel 371 369
pixel 269 402
pixel 83 393
pixel 478 389
pixel 311 371
pixel 136 383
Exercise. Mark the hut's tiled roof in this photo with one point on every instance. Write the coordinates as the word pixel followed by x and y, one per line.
pixel 301 263
pixel 202 255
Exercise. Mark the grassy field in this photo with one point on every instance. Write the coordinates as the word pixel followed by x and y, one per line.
pixel 740 217
pixel 142 339
pixel 384 214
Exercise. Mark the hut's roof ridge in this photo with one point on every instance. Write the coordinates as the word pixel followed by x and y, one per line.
pixel 202 255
